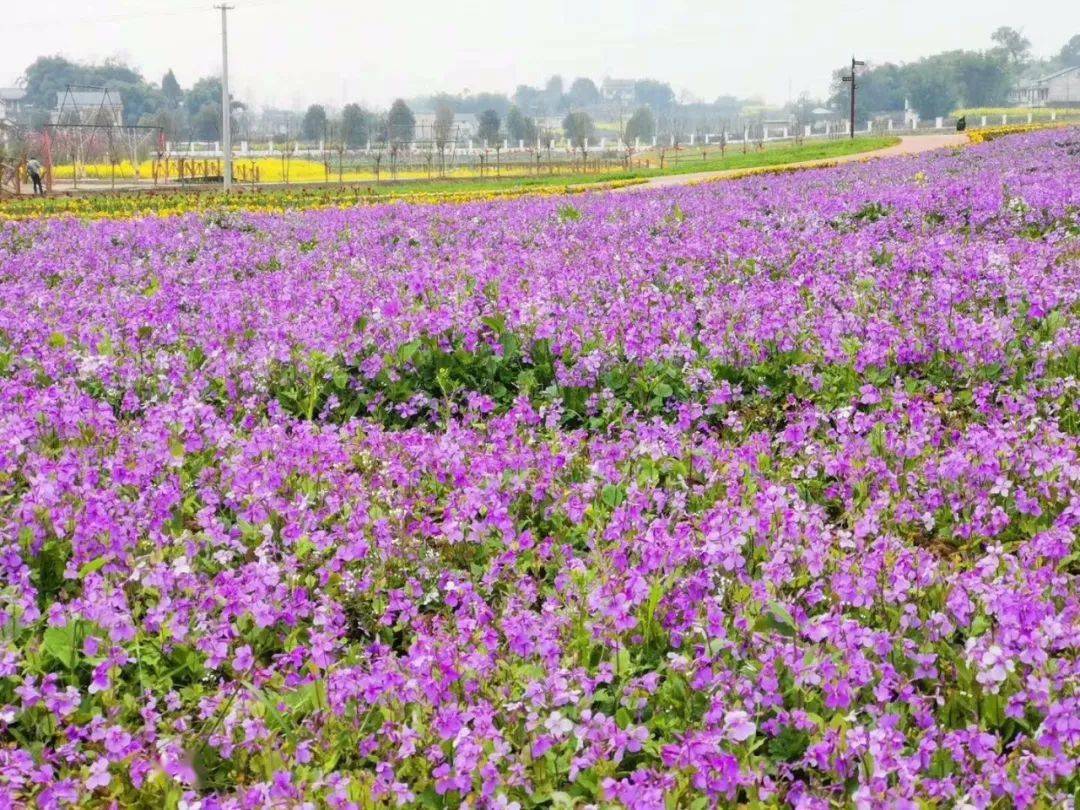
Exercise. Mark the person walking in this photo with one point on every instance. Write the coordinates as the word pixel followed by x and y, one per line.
pixel 33 168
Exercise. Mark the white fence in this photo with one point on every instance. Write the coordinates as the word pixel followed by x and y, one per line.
pixel 755 134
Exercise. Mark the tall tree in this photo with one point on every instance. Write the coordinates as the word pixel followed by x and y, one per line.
pixel 519 127
pixel 205 91
pixel 400 124
pixel 578 127
pixel 641 125
pixel 553 93
pixel 983 79
pixel 929 87
pixel 314 126
pixel 1070 52
pixel 444 126
pixel 583 93
pixel 1014 44
pixel 651 93
pixel 138 99
pixel 727 105
pixel 170 121
pixel 355 125
pixel 484 101
pixel 171 91
pixel 202 100
pixel 206 123
pixel 880 87
pixel 528 99
pixel 488 128
pixel 49 75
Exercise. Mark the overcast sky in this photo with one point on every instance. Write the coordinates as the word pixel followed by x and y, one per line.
pixel 295 52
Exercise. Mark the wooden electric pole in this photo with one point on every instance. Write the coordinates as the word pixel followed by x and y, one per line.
pixel 851 80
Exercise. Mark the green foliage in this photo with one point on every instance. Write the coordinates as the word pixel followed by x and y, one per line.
pixel 400 123
pixel 568 213
pixel 488 128
pixel 355 125
pixel 520 127
pixel 314 124
pixel 653 94
pixel 578 128
pixel 641 126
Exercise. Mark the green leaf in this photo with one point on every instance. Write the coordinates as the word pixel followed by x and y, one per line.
pixel 59 642
pixel 407 351
pixel 613 495
pixel 429 798
pixel 94 565
pixel 777 619
pixel 979 625
pixel 993 712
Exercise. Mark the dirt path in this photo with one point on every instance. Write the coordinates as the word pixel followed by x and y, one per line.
pixel 909 145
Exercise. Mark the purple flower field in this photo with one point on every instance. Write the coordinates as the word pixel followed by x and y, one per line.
pixel 755 493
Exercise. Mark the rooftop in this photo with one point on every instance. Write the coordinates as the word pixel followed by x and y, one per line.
pixel 81 99
pixel 1054 75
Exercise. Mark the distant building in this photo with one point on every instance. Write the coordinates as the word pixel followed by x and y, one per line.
pixel 1061 89
pixel 12 104
pixel 101 107
pixel 279 123
pixel 618 90
pixel 463 128
pixel 549 126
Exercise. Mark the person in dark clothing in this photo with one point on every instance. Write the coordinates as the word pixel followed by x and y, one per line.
pixel 33 168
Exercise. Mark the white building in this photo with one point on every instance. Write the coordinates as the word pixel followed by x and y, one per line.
pixel 89 107
pixel 1061 89
pixel 463 128
pixel 618 90
pixel 11 103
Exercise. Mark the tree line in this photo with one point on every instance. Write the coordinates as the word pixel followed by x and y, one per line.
pixel 933 86
pixel 938 84
pixel 194 112
pixel 356 127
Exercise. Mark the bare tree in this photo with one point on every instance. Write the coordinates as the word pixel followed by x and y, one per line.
pixel 443 131
pixel 579 127
pixel 287 150
pixel 337 144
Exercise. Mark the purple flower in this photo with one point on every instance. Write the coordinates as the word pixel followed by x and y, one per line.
pixel 99 775
pixel 738 726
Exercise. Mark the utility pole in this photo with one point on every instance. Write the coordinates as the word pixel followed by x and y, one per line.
pixel 226 102
pixel 851 79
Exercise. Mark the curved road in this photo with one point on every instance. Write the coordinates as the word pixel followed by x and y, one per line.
pixel 909 145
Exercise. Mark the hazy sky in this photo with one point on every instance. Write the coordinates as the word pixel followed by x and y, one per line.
pixel 295 52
